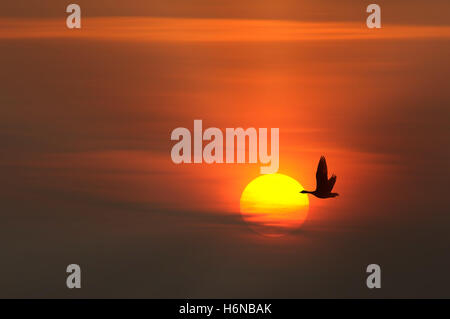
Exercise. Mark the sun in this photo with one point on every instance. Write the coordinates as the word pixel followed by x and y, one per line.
pixel 272 204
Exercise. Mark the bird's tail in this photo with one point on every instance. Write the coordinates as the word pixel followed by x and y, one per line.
pixel 334 194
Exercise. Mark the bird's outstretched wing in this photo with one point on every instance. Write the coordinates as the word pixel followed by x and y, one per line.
pixel 322 174
pixel 331 182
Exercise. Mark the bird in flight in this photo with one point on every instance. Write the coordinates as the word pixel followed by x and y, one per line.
pixel 324 185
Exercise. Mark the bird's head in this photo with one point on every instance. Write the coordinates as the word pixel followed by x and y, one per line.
pixel 303 192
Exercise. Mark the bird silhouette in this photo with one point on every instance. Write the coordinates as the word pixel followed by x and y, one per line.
pixel 324 185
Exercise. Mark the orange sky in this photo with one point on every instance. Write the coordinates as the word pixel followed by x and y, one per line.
pixel 272 74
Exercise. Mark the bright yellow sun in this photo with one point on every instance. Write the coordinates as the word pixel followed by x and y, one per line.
pixel 273 205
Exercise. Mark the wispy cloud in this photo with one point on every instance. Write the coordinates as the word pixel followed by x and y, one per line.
pixel 211 30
